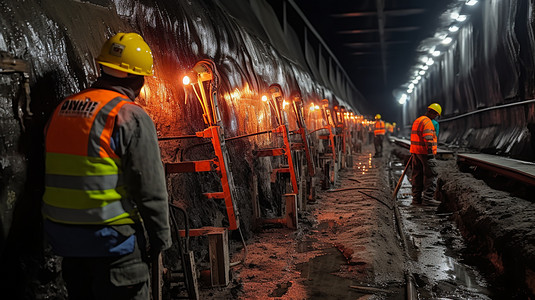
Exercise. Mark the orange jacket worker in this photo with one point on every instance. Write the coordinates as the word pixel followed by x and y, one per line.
pixel 423 150
pixel 104 181
pixel 378 135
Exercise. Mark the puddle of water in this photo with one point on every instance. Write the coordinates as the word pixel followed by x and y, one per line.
pixel 323 284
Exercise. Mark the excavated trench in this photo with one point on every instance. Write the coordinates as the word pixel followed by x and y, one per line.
pixel 475 242
pixel 436 250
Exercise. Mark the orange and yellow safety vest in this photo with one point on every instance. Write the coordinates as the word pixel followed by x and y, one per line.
pixel 422 133
pixel 379 128
pixel 83 180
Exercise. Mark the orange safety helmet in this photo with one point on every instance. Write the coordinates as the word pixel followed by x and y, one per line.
pixel 127 52
pixel 436 107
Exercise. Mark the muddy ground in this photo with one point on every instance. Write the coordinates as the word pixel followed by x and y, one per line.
pixel 345 238
pixel 346 246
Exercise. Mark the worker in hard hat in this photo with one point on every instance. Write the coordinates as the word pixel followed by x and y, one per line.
pixel 105 186
pixel 379 134
pixel 423 149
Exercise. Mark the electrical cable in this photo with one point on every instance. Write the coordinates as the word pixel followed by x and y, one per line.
pixel 244 249
pixel 316 130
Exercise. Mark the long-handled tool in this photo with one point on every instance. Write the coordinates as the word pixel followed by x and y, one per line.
pixel 156 278
pixel 411 292
pixel 396 190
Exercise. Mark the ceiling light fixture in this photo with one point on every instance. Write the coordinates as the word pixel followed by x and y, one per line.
pixel 436 53
pixel 471 2
pixel 402 99
pixel 454 15
pixel 430 62
pixel 422 72
pixel 447 40
pixel 453 28
pixel 461 18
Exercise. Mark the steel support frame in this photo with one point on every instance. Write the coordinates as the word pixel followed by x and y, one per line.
pixel 218 164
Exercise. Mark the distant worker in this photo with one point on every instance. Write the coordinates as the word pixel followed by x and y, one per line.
pixel 105 184
pixel 423 150
pixel 379 134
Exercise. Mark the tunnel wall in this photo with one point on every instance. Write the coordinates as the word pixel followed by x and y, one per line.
pixel 59 39
pixel 485 81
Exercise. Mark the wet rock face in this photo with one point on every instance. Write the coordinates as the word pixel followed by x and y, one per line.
pixel 60 39
pixel 13 161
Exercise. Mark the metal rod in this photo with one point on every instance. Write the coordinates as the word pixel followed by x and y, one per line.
pixel 166 138
pixel 487 109
pixel 316 130
pixel 246 135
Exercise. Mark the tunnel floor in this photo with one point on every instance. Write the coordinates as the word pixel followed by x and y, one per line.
pixel 347 247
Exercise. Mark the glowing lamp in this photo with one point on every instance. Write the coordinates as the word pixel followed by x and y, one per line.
pixel 186 80
pixel 264 98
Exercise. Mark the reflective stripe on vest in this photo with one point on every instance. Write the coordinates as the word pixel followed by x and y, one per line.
pixel 423 133
pixel 379 128
pixel 83 181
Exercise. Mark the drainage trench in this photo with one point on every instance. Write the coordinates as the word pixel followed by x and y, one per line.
pixel 436 250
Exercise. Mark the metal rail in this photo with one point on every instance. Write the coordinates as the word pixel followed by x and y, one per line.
pixel 522 171
pixel 407 144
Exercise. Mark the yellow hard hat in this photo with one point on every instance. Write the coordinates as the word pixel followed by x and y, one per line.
pixel 127 52
pixel 436 107
pixel 377 116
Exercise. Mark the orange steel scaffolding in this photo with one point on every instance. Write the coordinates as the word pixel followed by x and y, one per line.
pixel 276 103
pixel 206 81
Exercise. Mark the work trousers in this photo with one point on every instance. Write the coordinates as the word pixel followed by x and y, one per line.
pixel 424 176
pixel 108 278
pixel 378 143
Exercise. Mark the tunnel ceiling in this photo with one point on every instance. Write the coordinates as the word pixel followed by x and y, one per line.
pixel 376 40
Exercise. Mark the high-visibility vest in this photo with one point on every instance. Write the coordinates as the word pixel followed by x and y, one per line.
pixel 379 128
pixel 422 128
pixel 83 180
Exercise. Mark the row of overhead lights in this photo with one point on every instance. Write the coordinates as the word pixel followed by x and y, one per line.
pixel 427 60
